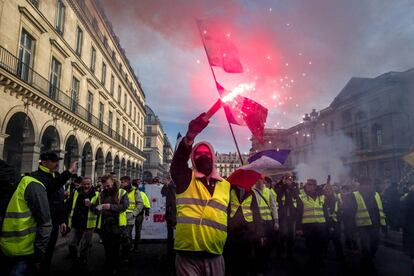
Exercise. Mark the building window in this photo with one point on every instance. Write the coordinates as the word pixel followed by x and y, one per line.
pixel 55 78
pixel 119 94
pixel 363 138
pixel 346 117
pixel 133 139
pixel 60 17
pixel 123 130
pixel 35 3
pixel 125 101
pixel 111 90
pixel 101 115
pixel 130 108
pixel 26 56
pixel 147 142
pixel 117 125
pixel 89 106
pixel 74 95
pixel 135 114
pixel 79 41
pixel 103 77
pixel 148 130
pixel 377 131
pixel 110 118
pixel 93 59
pixel 129 135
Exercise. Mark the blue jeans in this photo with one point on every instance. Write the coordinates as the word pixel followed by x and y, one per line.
pixel 22 266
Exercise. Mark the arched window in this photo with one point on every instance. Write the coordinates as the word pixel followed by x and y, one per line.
pixel 377 134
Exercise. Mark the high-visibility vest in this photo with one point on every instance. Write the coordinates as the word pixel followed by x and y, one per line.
pixel 18 233
pixel 145 200
pixel 263 201
pixel 202 218
pixel 362 217
pixel 91 222
pixel 132 203
pixel 312 209
pixel 122 216
pixel 245 206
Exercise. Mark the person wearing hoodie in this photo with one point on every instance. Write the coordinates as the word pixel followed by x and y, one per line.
pixel 367 209
pixel 203 198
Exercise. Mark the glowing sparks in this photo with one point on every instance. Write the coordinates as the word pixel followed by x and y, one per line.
pixel 240 89
pixel 270 9
pixel 228 35
pixel 198 61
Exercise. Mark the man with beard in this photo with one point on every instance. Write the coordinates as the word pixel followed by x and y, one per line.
pixel 203 198
pixel 48 175
pixel 82 221
pixel 111 207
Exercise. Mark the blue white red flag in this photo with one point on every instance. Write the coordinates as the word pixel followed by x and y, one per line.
pixel 259 164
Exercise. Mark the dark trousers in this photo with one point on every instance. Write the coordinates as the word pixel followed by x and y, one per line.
pixel 126 241
pixel 369 238
pixel 195 265
pixel 51 248
pixel 238 255
pixel 286 237
pixel 170 245
pixel 335 237
pixel 315 241
pixel 18 266
pixel 138 227
pixel 111 243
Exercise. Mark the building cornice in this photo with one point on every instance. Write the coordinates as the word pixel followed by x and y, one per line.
pixel 25 12
pixel 58 47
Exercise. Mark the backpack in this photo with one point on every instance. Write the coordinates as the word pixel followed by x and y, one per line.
pixel 9 179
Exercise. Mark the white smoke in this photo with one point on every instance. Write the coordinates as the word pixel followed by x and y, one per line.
pixel 326 157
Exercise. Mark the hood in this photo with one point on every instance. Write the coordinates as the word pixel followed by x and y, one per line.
pixel 198 174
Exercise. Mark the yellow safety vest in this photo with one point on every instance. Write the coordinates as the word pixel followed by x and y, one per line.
pixel 245 206
pixel 91 222
pixel 312 209
pixel 145 200
pixel 264 208
pixel 122 216
pixel 18 233
pixel 202 218
pixel 362 217
pixel 334 213
pixel 131 197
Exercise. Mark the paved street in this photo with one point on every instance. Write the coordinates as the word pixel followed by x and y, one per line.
pixel 151 261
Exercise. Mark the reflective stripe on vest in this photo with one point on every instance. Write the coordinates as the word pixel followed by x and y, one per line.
pixel 362 217
pixel 122 216
pixel 19 227
pixel 264 208
pixel 145 200
pixel 131 197
pixel 313 209
pixel 202 218
pixel 92 217
pixel 245 206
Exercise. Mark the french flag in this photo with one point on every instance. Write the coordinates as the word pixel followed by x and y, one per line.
pixel 259 163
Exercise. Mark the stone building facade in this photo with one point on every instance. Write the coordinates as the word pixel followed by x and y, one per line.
pixel 67 86
pixel 226 163
pixel 157 148
pixel 375 114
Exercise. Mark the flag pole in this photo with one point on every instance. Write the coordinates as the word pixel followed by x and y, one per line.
pixel 215 80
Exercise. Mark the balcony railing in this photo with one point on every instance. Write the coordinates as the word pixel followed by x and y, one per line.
pixel 104 40
pixel 14 66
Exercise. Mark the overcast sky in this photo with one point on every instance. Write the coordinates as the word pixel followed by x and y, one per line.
pixel 300 53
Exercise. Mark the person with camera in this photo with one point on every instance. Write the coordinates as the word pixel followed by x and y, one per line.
pixel 287 192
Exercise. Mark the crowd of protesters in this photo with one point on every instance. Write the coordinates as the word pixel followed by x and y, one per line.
pixel 37 206
pixel 213 228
